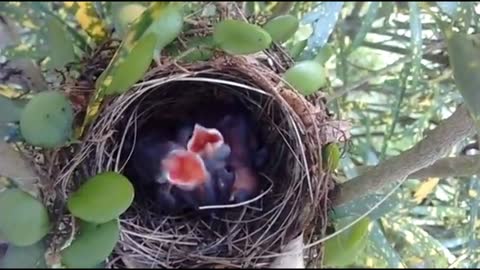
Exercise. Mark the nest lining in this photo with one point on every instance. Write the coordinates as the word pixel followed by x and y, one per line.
pixel 295 192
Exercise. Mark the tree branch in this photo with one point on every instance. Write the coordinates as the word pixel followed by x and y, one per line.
pixel 460 166
pixel 450 167
pixel 425 153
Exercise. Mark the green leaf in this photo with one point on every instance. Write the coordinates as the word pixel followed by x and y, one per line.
pixel 282 28
pixel 439 212
pixel 22 14
pixel 166 21
pixel 199 49
pixel 79 40
pixel 464 56
pixel 362 205
pixel 130 69
pixel 196 54
pixel 59 43
pixel 331 156
pixel 158 26
pixel 16 170
pixel 307 77
pixel 32 256
pixel 238 37
pixel 93 244
pixel 88 19
pixel 47 120
pixel 324 54
pixel 384 247
pixel 296 49
pixel 124 14
pixel 416 42
pixel 23 219
pixel 323 19
pixel 209 10
pixel 23 50
pixel 465 16
pixel 102 198
pixel 342 249
pixel 396 109
pixel 349 167
pixel 367 23
pixel 419 243
pixel 10 109
pixel 386 9
pixel 450 8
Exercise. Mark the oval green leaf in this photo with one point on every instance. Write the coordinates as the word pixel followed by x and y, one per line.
pixel 167 23
pixel 196 54
pixel 331 156
pixel 93 244
pixel 131 68
pixel 237 37
pixel 102 198
pixel 282 28
pixel 464 56
pixel 23 219
pixel 199 49
pixel 60 42
pixel 124 14
pixel 342 249
pixel 384 246
pixel 324 54
pixel 47 119
pixel 306 77
pixel 295 49
pixel 25 257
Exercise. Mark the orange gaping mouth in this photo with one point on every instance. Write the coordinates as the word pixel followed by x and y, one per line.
pixel 185 168
pixel 204 139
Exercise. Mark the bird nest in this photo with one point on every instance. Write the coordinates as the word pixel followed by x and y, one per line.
pixel 295 185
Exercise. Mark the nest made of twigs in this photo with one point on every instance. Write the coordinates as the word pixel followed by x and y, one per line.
pixel 294 199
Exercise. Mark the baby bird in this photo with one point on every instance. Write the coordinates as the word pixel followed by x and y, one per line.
pixel 247 153
pixel 155 152
pixel 210 145
pixel 179 178
pixel 235 129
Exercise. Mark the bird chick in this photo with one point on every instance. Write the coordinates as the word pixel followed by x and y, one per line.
pixel 236 130
pixel 247 153
pixel 210 145
pixel 152 147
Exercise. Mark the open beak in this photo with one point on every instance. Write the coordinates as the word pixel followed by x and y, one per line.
pixel 185 169
pixel 205 140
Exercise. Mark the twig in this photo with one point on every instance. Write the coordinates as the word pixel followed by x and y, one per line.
pixel 437 143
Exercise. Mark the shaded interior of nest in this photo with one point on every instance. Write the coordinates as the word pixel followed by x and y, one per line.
pixel 244 236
